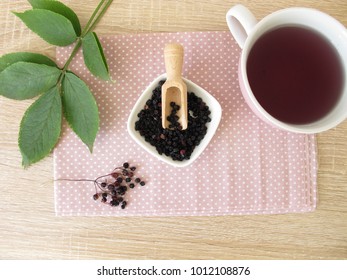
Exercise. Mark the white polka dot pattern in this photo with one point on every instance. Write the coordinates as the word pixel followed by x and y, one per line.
pixel 248 167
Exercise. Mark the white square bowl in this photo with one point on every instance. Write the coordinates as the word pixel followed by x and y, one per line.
pixel 211 102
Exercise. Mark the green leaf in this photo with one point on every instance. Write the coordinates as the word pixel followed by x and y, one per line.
pixel 11 58
pixel 80 109
pixel 94 57
pixel 40 127
pixel 59 8
pixel 24 80
pixel 50 26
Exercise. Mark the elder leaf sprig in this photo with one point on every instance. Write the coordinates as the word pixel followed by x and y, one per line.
pixel 25 75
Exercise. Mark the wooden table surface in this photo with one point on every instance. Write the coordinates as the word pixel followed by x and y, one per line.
pixel 30 230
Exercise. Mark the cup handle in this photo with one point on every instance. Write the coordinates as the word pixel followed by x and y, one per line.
pixel 240 21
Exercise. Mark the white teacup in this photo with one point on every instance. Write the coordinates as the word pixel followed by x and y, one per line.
pixel 247 30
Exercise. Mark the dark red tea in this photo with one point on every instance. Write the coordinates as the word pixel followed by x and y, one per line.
pixel 295 74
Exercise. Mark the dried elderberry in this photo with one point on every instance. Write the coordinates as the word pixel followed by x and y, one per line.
pixel 174 142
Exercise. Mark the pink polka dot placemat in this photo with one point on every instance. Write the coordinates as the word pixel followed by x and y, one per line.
pixel 248 167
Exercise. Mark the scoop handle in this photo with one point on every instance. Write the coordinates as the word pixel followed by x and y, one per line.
pixel 173 54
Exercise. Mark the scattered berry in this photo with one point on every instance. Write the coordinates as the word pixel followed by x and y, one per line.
pixel 137 180
pixel 124 203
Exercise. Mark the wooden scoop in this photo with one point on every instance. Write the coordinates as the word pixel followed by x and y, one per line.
pixel 174 89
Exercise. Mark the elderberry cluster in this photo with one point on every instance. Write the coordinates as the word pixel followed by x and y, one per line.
pixel 111 188
pixel 173 142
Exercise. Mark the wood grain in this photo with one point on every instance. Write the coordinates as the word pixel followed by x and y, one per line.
pixel 30 230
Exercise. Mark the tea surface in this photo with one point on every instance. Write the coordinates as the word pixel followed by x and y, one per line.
pixel 295 74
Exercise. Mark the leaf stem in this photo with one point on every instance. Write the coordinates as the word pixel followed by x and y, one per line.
pixel 73 53
pixel 67 63
pixel 100 15
pixel 86 28
pixel 92 22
